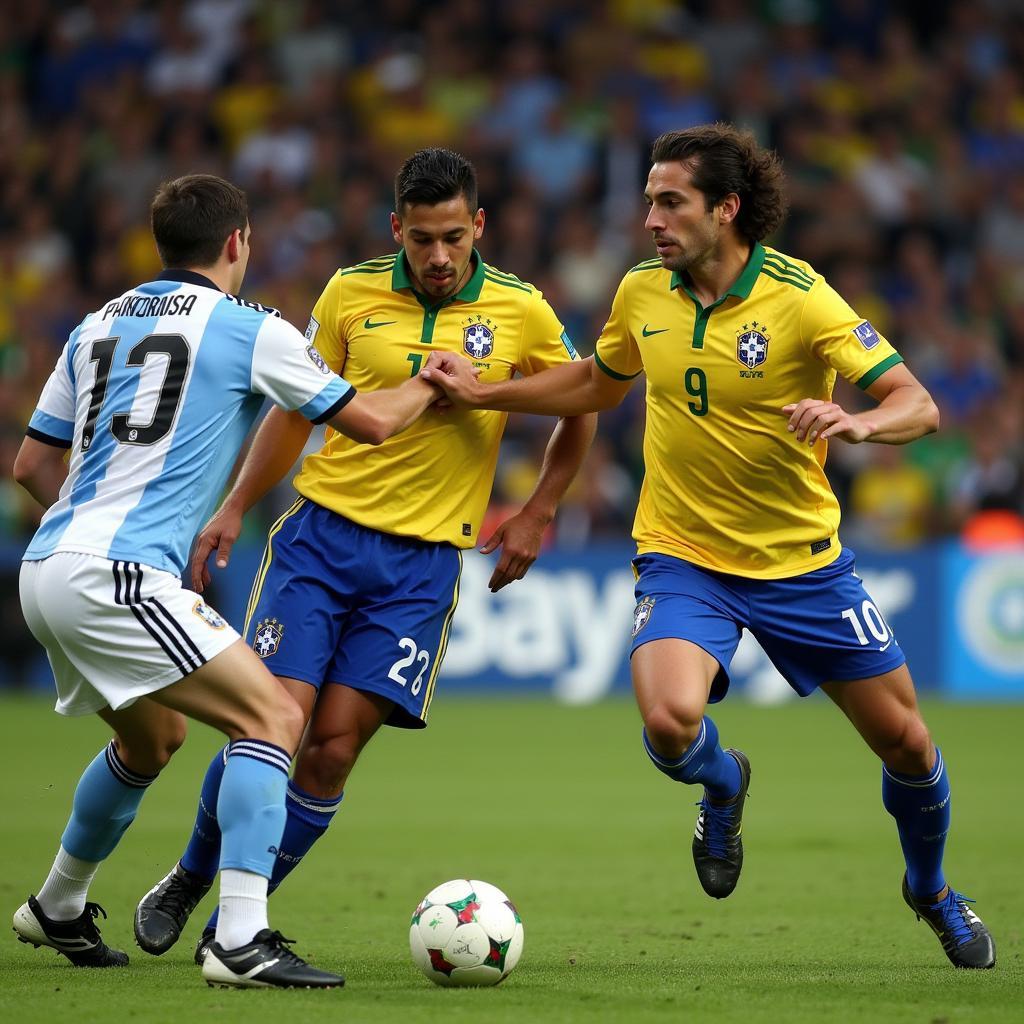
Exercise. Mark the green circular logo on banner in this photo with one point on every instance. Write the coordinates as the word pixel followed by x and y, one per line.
pixel 991 613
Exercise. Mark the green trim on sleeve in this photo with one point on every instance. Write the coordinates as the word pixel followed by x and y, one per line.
pixel 614 374
pixel 876 371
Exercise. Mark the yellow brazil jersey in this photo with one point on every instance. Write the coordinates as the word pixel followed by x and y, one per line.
pixel 727 486
pixel 433 480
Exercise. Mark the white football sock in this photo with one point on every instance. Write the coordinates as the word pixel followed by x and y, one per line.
pixel 62 896
pixel 243 907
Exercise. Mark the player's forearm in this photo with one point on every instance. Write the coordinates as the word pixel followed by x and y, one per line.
pixel 278 443
pixel 43 486
pixel 373 417
pixel 572 389
pixel 563 457
pixel 407 403
pixel 41 469
pixel 904 415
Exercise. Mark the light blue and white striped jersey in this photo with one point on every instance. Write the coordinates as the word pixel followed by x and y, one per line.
pixel 155 394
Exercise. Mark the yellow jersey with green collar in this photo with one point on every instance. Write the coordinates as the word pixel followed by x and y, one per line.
pixel 433 480
pixel 727 486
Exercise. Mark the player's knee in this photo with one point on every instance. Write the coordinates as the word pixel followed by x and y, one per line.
pixel 289 721
pixel 173 739
pixel 277 718
pixel 151 756
pixel 327 765
pixel 671 729
pixel 910 750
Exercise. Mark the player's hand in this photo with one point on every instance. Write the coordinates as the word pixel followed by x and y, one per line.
pixel 520 539
pixel 219 535
pixel 815 420
pixel 455 374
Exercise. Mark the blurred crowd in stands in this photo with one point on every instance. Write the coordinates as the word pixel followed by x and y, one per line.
pixel 901 125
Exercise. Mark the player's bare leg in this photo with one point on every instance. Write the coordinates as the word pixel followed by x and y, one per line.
pixel 344 721
pixel 915 791
pixel 672 680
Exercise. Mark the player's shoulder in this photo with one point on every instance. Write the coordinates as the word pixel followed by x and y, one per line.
pixel 787 270
pixel 361 281
pixel 647 274
pixel 510 286
pixel 369 272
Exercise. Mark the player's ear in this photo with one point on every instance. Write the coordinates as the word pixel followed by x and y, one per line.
pixel 728 208
pixel 396 228
pixel 478 224
pixel 234 246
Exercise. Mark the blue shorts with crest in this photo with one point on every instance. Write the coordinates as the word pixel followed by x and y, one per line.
pixel 816 628
pixel 336 602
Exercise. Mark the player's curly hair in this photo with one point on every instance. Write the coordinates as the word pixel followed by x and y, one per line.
pixel 435 175
pixel 193 216
pixel 724 159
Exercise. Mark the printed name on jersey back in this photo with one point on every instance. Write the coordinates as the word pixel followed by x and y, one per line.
pixel 177 304
pixel 258 306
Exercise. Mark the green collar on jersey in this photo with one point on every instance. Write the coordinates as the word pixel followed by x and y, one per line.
pixel 743 284
pixel 469 292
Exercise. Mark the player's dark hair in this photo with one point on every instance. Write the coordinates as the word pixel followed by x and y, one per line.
pixel 193 216
pixel 432 176
pixel 724 159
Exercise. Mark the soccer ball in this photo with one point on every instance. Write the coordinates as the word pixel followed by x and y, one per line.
pixel 466 932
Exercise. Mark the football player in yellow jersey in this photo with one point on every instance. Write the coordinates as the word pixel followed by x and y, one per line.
pixel 352 604
pixel 736 525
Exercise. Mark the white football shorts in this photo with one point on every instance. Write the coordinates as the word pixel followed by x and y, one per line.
pixel 116 631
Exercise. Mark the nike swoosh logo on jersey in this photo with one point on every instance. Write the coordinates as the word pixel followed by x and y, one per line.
pixel 380 323
pixel 648 334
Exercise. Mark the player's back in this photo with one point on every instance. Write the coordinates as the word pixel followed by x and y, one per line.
pixel 154 393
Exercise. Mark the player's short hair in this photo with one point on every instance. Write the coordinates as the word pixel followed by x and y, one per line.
pixel 724 159
pixel 193 216
pixel 432 176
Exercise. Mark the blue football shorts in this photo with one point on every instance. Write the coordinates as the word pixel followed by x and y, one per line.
pixel 336 602
pixel 816 628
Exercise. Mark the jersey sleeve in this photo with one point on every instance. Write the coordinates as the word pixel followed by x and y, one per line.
pixel 53 421
pixel 544 342
pixel 324 331
pixel 848 343
pixel 293 374
pixel 616 352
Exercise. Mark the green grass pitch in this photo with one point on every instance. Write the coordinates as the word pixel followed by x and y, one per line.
pixel 559 807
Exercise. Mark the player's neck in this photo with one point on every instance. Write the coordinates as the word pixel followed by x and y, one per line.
pixel 714 276
pixel 219 274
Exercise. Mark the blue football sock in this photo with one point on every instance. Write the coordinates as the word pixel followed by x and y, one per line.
pixel 250 807
pixel 702 761
pixel 202 855
pixel 308 818
pixel 920 805
pixel 106 801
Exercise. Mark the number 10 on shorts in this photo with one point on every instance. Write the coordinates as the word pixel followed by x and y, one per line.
pixel 414 658
pixel 872 617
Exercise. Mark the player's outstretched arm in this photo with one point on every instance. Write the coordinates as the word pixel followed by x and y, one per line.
pixel 567 390
pixel 279 441
pixel 905 412
pixel 520 536
pixel 41 469
pixel 373 417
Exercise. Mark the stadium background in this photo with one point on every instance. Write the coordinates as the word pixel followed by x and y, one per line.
pixel 902 128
